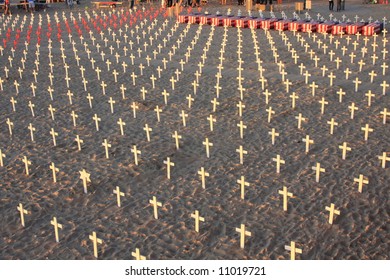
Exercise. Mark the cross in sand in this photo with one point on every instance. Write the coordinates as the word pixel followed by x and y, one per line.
pixel 366 130
pixel 176 136
pixel 26 164
pixel 1 158
pixel 345 148
pixel 158 111
pixel 361 180
pixel 137 255
pixel 79 142
pixel 211 120
pixel 323 103
pixel 207 144
pixel 332 124
pixel 74 117
pixel 242 127
pixel 22 212
pixel 273 134
pixel 384 158
pixel 54 134
pixel 168 163
pixel 32 129
pixel 183 116
pixel 112 102
pixel 118 193
pixel 286 195
pixel 56 227
pixel 97 120
pixel 293 250
pixel 136 153
pixel 243 233
pixel 332 212
pixel 242 152
pixel 155 204
pixel 197 219
pixel 85 176
pixel 121 124
pixel 318 171
pixel 54 169
pixel 10 125
pixel 352 107
pixel 95 242
pixel 243 184
pixel 308 141
pixel 300 119
pixel 106 145
pixel 203 176
pixel 278 161
pixel 385 114
pixel 147 130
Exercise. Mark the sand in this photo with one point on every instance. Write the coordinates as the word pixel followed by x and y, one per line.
pixel 361 231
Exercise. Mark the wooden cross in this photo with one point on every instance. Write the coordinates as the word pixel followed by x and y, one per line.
pixel 4 156
pixel 31 105
pixel 287 83
pixel 293 250
pixel 344 148
pixel 211 120
pixel 26 164
pixel 242 152
pixel 270 113
pixel 155 204
pixel 13 102
pixel 54 169
pixel 85 176
pixel 136 153
pixel 300 119
pixel 243 184
pixel 197 219
pixel 242 127
pixel 158 111
pixel 137 255
pixel 22 212
pixel 190 100
pixel 97 120
pixel 278 161
pixel 106 145
pixel 332 212
pixel 74 117
pixel 384 85
pixel 177 137
pixel 10 125
pixel 207 144
pixel 323 103
pixel 54 134
pixel 240 106
pixel 243 233
pixel 332 124
pixel 165 94
pixel 318 171
pixel 56 227
pixel 384 158
pixel 147 130
pixel 112 102
pixel 340 94
pixel 203 176
pixel 286 195
pixel 70 94
pixel 366 130
pixel 273 134
pixel 357 82
pixel 369 95
pixel 95 242
pixel 183 116
pixel 361 180
pixel 267 95
pixel 385 115
pixel 118 193
pixel 293 98
pixel 352 107
pixel 32 129
pixel 79 142
pixel 168 163
pixel 121 124
pixel 308 141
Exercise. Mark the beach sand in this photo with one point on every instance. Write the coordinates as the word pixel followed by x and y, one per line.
pixel 361 231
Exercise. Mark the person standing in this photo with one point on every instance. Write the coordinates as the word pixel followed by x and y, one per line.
pixel 7 10
pixel 31 5
pixel 331 4
pixel 342 5
pixel 131 4
pixel 338 7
